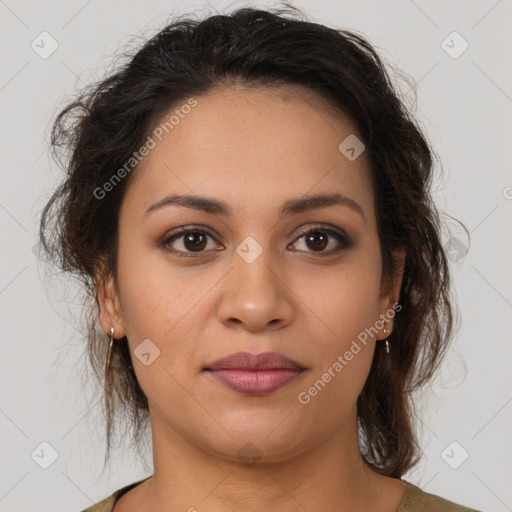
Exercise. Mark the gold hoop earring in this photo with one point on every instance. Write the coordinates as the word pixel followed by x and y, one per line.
pixel 387 342
pixel 111 344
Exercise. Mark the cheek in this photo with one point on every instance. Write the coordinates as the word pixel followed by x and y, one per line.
pixel 160 302
pixel 144 305
pixel 150 295
pixel 153 308
pixel 345 300
pixel 346 307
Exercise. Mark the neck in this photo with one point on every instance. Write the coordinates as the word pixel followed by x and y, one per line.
pixel 329 476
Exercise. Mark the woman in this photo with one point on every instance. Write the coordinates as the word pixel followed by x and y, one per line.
pixel 247 201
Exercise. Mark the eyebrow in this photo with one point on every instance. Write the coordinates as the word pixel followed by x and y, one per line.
pixel 290 207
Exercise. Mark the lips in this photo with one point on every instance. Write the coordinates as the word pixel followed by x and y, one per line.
pixel 248 361
pixel 255 374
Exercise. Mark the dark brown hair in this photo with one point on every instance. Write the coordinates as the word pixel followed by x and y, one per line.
pixel 100 130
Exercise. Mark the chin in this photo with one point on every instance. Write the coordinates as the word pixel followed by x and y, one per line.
pixel 252 447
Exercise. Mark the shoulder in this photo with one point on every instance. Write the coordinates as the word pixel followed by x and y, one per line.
pixel 416 500
pixel 107 505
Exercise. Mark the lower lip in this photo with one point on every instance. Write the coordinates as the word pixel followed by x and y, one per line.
pixel 255 382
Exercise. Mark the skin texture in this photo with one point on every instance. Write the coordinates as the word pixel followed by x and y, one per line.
pixel 254 149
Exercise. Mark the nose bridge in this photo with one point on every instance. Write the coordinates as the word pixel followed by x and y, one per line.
pixel 252 272
pixel 253 265
pixel 254 293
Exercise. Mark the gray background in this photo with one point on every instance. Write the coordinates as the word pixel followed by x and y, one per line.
pixel 463 103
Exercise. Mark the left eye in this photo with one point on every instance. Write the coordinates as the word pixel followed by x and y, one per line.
pixel 319 239
pixel 195 240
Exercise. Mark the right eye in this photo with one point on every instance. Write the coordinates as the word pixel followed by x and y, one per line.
pixel 192 240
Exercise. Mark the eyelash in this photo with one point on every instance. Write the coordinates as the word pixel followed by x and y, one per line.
pixel 342 239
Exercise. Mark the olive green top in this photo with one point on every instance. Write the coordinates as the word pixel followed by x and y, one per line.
pixel 414 500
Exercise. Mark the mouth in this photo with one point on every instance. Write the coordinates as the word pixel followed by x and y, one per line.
pixel 255 374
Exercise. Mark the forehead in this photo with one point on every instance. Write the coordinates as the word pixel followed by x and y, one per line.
pixel 252 147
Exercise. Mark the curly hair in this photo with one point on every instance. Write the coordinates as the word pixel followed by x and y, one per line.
pixel 103 127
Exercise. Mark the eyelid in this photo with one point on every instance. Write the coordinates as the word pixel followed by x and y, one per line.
pixel 182 230
pixel 321 227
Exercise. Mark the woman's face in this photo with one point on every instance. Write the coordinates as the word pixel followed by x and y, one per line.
pixel 248 280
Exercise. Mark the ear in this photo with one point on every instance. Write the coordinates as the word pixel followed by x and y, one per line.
pixel 390 290
pixel 109 304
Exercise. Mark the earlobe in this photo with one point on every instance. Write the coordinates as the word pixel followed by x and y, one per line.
pixel 109 305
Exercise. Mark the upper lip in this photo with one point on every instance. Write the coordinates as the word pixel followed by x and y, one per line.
pixel 248 361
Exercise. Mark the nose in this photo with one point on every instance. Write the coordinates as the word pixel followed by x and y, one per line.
pixel 256 295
